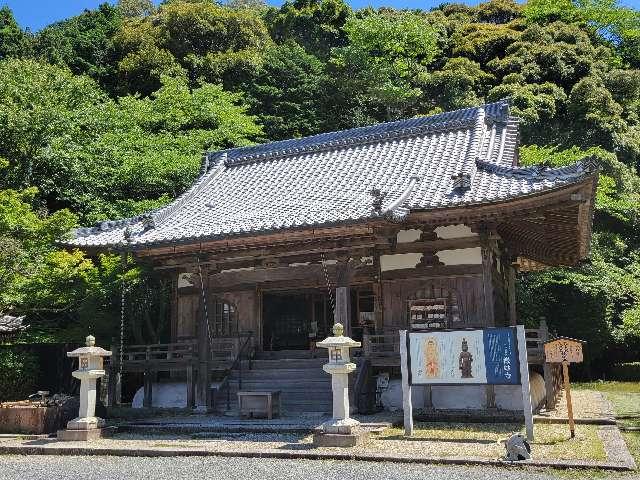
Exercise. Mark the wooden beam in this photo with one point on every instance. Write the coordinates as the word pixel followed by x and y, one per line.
pixel 433 245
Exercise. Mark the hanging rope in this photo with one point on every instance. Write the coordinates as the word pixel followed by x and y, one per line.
pixel 204 302
pixel 329 291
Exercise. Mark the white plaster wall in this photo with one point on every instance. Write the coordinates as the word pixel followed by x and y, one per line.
pixel 458 397
pixel 407 236
pixel 399 260
pixel 461 256
pixel 454 231
pixel 165 395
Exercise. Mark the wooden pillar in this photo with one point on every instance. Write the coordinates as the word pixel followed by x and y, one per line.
pixel 547 368
pixel 148 389
pixel 342 313
pixel 487 281
pixel 378 306
pixel 511 291
pixel 490 397
pixel 114 387
pixel 190 380
pixel 203 392
pixel 174 306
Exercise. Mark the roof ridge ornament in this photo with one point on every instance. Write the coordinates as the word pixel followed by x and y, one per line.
pixel 461 181
pixel 378 197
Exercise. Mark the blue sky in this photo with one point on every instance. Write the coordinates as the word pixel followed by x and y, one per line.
pixel 36 14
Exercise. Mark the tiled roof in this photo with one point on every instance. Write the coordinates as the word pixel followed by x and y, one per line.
pixel 335 178
pixel 9 324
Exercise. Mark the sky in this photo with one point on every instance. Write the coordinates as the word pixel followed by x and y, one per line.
pixel 36 14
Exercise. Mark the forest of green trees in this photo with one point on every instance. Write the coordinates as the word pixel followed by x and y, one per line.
pixel 105 115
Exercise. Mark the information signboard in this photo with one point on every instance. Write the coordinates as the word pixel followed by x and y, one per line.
pixel 483 356
pixel 489 356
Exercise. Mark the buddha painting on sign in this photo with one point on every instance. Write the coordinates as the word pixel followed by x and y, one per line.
pixel 465 360
pixel 431 359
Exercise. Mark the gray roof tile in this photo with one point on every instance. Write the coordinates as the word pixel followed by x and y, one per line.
pixel 327 179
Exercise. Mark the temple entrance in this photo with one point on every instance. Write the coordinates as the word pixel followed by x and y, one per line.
pixel 294 321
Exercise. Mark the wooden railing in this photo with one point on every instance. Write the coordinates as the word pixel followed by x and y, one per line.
pixel 382 350
pixel 159 356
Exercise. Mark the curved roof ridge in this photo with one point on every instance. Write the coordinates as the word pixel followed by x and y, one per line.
pixel 586 165
pixel 445 121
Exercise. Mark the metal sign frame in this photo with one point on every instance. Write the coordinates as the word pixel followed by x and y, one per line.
pixel 521 346
pixel 444 383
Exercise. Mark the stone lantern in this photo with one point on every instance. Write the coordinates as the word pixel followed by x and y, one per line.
pixel 90 367
pixel 341 430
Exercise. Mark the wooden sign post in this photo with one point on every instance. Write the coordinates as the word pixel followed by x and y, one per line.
pixel 565 351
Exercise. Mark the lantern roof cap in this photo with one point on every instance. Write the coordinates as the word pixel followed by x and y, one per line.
pixel 338 340
pixel 90 349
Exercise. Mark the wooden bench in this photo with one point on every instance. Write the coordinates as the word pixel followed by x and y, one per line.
pixel 253 404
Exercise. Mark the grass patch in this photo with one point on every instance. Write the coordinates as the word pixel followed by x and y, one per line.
pixel 613 387
pixel 632 440
pixel 625 398
pixel 552 441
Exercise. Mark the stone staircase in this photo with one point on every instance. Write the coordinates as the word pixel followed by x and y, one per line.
pixel 304 386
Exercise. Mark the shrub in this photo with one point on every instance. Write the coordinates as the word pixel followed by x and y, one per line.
pixel 19 372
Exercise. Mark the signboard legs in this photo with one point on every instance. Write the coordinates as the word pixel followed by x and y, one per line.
pixel 567 389
pixel 407 406
pixel 524 380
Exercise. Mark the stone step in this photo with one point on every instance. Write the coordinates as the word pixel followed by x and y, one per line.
pixel 286 354
pixel 283 374
pixel 287 363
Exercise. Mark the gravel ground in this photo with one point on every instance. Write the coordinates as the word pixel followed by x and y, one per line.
pixel 586 404
pixel 213 468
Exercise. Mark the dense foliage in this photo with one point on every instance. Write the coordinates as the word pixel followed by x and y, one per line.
pixel 105 115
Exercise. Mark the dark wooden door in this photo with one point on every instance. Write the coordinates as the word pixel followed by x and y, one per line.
pixel 286 322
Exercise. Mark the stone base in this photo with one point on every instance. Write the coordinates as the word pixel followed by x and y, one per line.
pixel 85 423
pixel 343 426
pixel 85 435
pixel 353 439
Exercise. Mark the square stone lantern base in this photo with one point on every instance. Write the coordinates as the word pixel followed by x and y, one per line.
pixel 340 433
pixel 358 436
pixel 84 429
pixel 85 435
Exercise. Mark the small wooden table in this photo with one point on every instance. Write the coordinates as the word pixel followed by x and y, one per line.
pixel 259 404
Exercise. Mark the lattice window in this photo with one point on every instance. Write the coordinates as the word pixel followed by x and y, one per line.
pixel 434 308
pixel 224 318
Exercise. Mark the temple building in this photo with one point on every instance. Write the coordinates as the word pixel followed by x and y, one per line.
pixel 420 223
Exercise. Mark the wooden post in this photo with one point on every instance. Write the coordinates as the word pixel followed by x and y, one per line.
pixel 490 397
pixel 203 392
pixel 547 370
pixel 567 389
pixel 190 387
pixel 343 311
pixel 524 380
pixel 407 405
pixel 114 385
pixel 148 389
pixel 487 281
pixel 511 289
